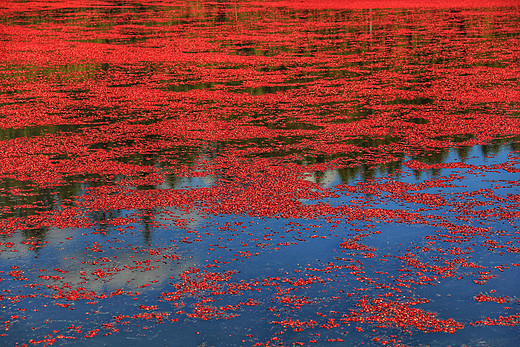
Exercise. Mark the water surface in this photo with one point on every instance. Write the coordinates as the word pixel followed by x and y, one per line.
pixel 259 173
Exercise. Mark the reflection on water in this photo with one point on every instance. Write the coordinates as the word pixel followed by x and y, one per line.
pixel 223 173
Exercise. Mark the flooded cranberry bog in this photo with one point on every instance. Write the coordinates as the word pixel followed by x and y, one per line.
pixel 259 173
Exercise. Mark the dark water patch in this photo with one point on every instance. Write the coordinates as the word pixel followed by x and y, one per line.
pixel 271 68
pixel 75 94
pixel 262 142
pixel 372 142
pixel 261 90
pixel 24 200
pixel 12 92
pixel 351 114
pixel 119 41
pixel 13 133
pixel 199 86
pixel 125 85
pixel 18 101
pixel 289 124
pixel 416 101
pixel 495 146
pixel 417 120
pixel 67 73
pixel 456 138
